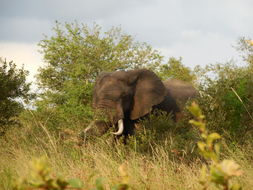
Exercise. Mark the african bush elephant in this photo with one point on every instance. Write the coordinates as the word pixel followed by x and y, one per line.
pixel 127 96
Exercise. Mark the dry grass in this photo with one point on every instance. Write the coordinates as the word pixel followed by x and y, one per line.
pixel 154 170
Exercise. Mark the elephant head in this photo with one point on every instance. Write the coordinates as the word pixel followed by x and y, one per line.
pixel 125 96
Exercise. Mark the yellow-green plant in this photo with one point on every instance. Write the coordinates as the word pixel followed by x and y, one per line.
pixel 124 178
pixel 41 178
pixel 217 171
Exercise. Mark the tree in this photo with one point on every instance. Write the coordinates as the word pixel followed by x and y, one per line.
pixel 75 55
pixel 226 97
pixel 175 69
pixel 245 47
pixel 14 89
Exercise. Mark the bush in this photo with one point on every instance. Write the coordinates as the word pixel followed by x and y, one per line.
pixel 14 91
pixel 75 55
pixel 175 69
pixel 158 130
pixel 226 98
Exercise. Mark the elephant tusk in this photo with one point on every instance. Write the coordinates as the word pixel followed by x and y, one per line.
pixel 121 127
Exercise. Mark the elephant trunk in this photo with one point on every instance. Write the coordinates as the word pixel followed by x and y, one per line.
pixel 121 127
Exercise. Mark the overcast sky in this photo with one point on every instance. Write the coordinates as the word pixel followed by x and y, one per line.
pixel 200 31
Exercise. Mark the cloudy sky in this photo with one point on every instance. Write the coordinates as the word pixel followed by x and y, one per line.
pixel 200 31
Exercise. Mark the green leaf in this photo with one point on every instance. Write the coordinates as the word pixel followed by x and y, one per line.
pixel 217 176
pixel 204 136
pixel 217 149
pixel 197 124
pixel 212 137
pixel 99 184
pixel 202 146
pixel 210 155
pixel 195 110
pixel 120 187
pixel 75 183
pixel 235 187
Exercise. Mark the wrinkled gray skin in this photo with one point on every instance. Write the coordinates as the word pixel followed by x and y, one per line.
pixel 127 96
pixel 180 90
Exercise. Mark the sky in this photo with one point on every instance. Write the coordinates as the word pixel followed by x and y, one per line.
pixel 199 31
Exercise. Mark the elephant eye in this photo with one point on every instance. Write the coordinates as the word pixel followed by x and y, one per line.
pixel 124 94
pixel 112 93
pixel 112 97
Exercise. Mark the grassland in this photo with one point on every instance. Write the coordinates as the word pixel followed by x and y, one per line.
pixel 164 166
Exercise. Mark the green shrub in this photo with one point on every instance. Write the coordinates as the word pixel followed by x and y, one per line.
pixel 14 90
pixel 41 178
pixel 160 131
pixel 74 57
pixel 226 98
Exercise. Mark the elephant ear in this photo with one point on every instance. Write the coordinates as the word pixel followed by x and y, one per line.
pixel 149 91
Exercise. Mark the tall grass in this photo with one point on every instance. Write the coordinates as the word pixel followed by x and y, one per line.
pixel 166 165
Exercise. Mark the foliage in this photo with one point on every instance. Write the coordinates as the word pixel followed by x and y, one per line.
pixel 226 97
pixel 14 89
pixel 103 165
pixel 168 166
pixel 160 155
pixel 151 130
pixel 75 55
pixel 218 172
pixel 159 129
pixel 41 178
pixel 245 47
pixel 175 69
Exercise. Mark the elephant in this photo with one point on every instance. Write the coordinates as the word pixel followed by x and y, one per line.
pixel 125 97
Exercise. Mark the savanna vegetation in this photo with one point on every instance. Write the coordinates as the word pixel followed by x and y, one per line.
pixel 39 143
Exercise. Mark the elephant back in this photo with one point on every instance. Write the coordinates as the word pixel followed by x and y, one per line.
pixel 180 90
